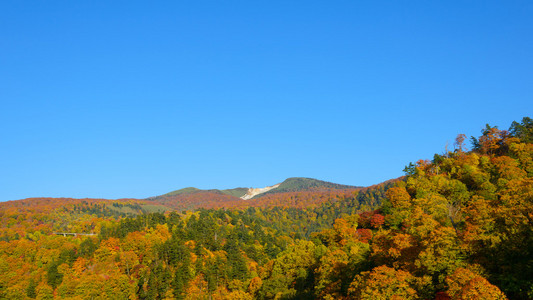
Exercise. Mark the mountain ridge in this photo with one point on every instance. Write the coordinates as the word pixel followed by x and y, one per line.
pixel 291 184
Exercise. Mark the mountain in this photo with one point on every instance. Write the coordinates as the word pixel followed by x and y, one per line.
pixel 298 184
pixel 252 192
pixel 292 192
pixel 236 192
pixel 293 184
pixel 187 190
pixel 191 197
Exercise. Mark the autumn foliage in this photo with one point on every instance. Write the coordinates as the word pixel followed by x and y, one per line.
pixel 459 226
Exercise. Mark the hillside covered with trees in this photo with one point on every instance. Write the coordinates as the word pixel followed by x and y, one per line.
pixel 459 226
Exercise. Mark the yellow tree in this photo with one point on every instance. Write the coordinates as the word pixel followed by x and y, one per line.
pixel 383 283
pixel 467 285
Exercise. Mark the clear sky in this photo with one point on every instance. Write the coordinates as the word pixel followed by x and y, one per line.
pixel 138 98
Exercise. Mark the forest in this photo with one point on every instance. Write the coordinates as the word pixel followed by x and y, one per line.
pixel 458 226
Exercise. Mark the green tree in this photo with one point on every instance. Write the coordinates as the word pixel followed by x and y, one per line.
pixel 523 130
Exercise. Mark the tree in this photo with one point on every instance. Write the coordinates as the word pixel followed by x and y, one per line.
pixel 291 272
pixel 459 142
pixel 465 284
pixel 383 283
pixel 182 275
pixel 53 276
pixel 523 130
pixel 31 290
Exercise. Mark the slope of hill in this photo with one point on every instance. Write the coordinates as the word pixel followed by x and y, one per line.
pixel 297 184
pixel 251 193
pixel 192 198
pixel 186 190
pixel 236 192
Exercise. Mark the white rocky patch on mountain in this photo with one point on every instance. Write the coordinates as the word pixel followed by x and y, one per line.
pixel 252 192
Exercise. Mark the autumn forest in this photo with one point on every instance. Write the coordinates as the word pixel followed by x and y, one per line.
pixel 458 226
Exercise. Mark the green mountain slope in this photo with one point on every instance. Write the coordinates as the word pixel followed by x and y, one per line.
pixel 293 184
pixel 296 184
pixel 237 192
pixel 186 190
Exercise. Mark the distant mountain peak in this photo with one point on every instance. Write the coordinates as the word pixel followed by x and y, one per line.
pixel 292 184
pixel 296 184
pixel 186 190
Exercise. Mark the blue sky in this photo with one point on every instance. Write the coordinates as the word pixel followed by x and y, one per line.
pixel 135 99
